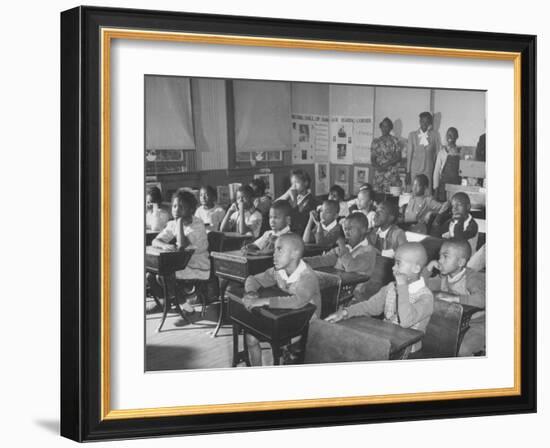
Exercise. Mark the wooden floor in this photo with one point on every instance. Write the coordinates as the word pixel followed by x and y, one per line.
pixel 181 345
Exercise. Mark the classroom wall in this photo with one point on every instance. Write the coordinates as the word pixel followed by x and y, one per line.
pixel 401 105
pixel 469 118
pixel 310 98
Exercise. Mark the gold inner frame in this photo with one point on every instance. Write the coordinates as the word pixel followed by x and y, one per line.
pixel 107 35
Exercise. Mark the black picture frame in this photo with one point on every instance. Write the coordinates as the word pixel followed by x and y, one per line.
pixel 81 226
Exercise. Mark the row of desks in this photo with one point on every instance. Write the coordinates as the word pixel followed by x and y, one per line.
pixel 234 266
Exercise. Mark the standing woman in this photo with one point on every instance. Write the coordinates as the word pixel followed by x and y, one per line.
pixel 385 157
pixel 423 146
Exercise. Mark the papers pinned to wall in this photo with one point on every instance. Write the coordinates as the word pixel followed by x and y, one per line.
pixel 310 138
pixel 350 139
pixel 322 179
pixel 362 138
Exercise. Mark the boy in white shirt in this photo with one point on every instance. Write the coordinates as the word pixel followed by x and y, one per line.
pixel 279 221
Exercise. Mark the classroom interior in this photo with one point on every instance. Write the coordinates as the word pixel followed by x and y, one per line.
pixel 225 133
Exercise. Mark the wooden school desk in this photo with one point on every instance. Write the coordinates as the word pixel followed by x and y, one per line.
pixel 234 240
pixel 236 266
pixel 276 326
pixel 150 235
pixel 165 264
pixel 400 338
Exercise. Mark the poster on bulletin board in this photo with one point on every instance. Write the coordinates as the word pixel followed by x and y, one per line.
pixel 309 138
pixel 362 139
pixel 342 178
pixel 350 139
pixel 322 179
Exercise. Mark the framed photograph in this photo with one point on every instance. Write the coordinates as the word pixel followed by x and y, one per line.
pixel 177 98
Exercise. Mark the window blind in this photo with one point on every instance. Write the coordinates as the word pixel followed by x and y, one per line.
pixel 262 116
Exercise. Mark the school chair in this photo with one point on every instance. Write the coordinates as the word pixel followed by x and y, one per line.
pixel 443 333
pixel 381 275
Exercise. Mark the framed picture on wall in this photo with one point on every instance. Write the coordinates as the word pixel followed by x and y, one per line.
pixel 174 97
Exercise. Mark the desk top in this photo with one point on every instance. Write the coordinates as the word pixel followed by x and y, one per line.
pixel 237 235
pixel 399 337
pixel 347 278
pixel 240 257
pixel 166 262
pixel 235 293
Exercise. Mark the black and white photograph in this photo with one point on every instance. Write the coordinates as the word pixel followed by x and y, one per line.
pixel 282 274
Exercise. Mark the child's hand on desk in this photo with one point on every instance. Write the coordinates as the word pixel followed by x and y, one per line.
pixel 337 316
pixel 252 300
pixel 247 249
pixel 169 247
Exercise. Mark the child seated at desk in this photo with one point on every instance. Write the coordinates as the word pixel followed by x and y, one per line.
pixel 365 204
pixel 300 199
pixel 290 274
pixel 279 221
pixel 156 216
pixel 458 283
pixel 460 225
pixel 337 193
pixel 323 228
pixel 185 231
pixel 420 208
pixel 241 216
pixel 262 202
pixel 387 236
pixel 209 212
pixel 355 256
pixel 407 302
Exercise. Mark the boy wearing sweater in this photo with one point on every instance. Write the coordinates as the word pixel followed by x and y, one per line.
pixel 354 254
pixel 407 302
pixel 289 274
pixel 387 236
pixel 458 283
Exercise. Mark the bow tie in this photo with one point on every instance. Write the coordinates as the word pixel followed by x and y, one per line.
pixel 423 136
